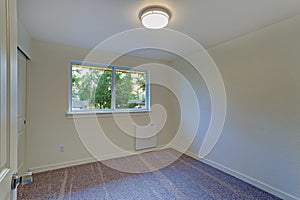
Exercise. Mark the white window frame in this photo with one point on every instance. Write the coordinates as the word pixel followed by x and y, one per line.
pixel 113 100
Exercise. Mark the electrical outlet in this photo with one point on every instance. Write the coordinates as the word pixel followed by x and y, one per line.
pixel 62 148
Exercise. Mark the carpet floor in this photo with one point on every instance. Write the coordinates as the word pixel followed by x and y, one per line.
pixel 184 179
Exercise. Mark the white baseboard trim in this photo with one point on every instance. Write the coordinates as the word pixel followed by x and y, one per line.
pixel 243 177
pixel 74 163
pixel 50 167
pixel 45 168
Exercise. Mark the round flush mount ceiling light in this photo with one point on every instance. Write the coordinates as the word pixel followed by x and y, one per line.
pixel 155 17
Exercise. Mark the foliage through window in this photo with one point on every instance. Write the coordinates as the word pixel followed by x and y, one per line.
pixel 107 88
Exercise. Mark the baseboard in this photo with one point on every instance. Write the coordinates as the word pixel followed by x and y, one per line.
pixel 248 179
pixel 61 165
pixel 88 160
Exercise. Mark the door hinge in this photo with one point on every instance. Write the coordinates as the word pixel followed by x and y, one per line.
pixel 25 179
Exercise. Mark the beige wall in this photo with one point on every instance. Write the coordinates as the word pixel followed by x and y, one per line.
pixel 260 140
pixel 48 126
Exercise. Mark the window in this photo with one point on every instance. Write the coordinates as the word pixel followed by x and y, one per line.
pixel 99 88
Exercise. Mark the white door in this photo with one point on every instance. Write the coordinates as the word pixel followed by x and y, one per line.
pixel 21 109
pixel 8 97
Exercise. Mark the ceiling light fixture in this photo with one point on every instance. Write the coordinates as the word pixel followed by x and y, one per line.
pixel 155 17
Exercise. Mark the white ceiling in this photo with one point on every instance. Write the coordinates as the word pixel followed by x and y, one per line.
pixel 86 23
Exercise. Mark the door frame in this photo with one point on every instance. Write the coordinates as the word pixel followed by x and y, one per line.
pixel 9 53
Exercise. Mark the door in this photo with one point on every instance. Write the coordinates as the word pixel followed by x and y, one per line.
pixel 21 109
pixel 8 97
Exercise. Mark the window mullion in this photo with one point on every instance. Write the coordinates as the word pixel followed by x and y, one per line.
pixel 70 88
pixel 147 87
pixel 113 91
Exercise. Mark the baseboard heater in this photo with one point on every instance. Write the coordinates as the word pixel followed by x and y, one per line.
pixel 145 137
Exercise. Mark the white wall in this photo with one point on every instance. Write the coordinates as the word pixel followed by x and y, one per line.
pixel 203 98
pixel 260 142
pixel 24 40
pixel 48 127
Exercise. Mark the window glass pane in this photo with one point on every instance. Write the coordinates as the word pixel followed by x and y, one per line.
pixel 91 88
pixel 130 89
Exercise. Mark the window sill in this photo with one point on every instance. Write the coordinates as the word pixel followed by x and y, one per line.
pixel 102 114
